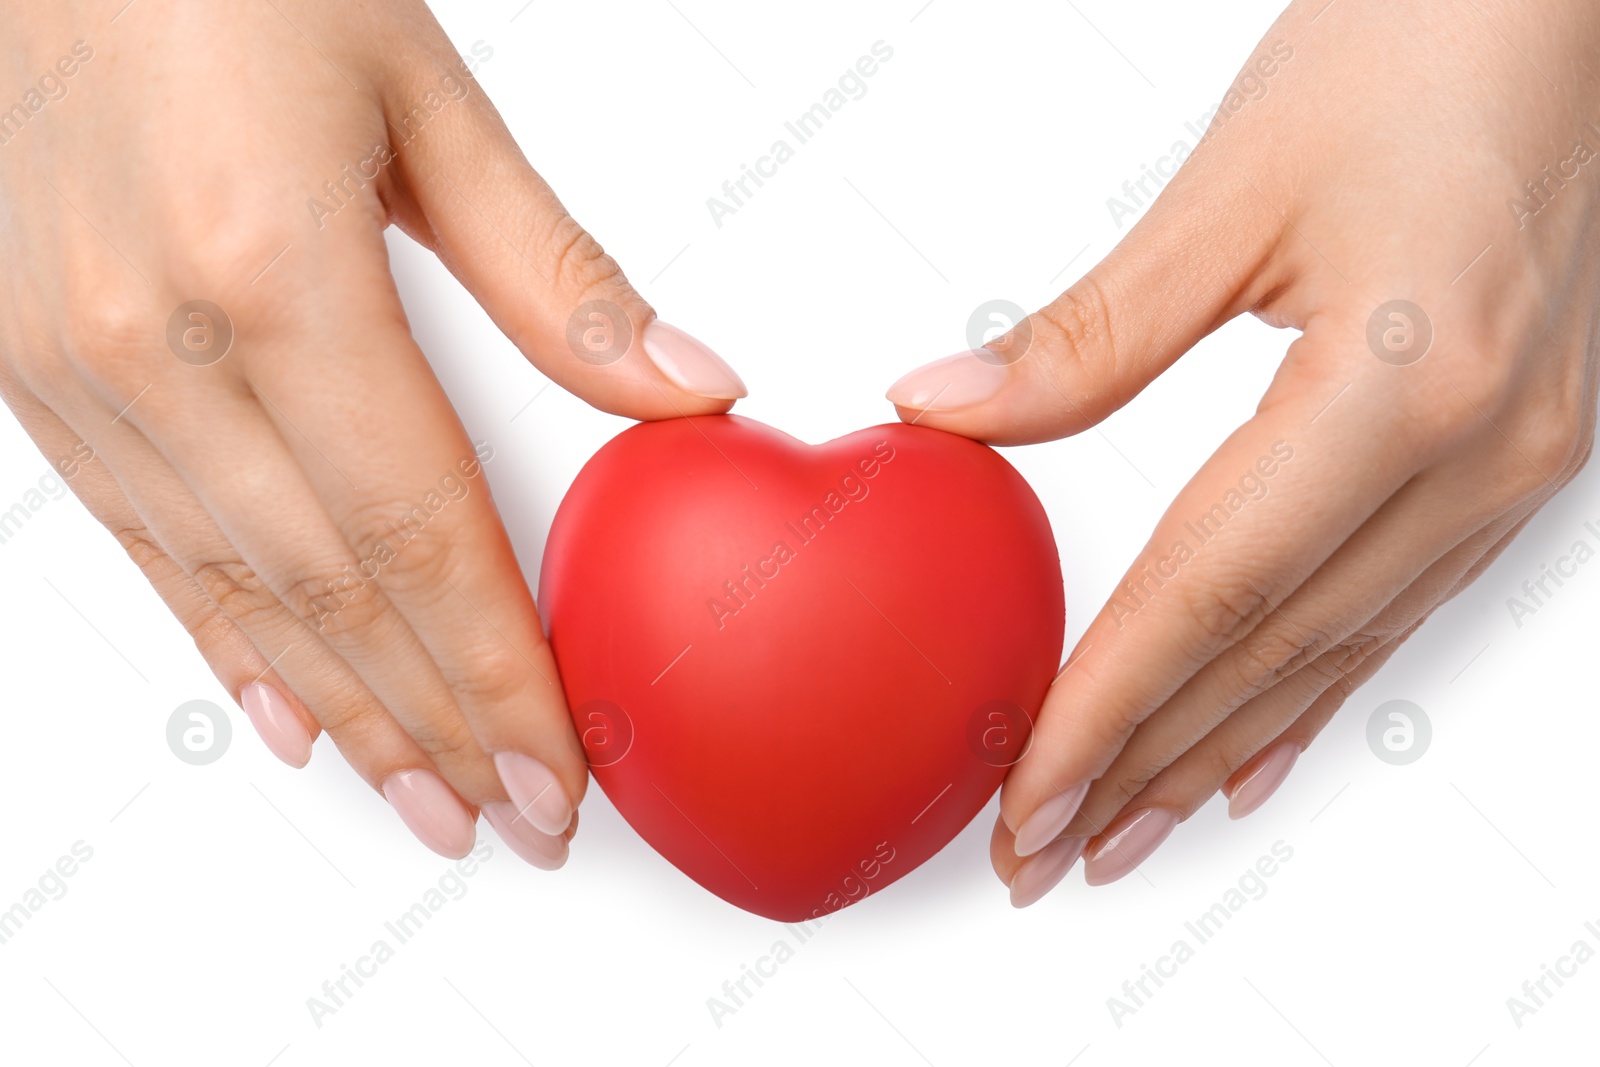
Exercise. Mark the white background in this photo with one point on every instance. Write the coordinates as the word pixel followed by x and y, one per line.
pixel 219 898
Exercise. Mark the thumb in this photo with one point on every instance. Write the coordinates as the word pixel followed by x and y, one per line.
pixel 1184 269
pixel 544 280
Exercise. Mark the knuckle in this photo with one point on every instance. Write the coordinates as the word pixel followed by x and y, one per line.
pixel 1224 610
pixel 1362 662
pixel 112 339
pixel 1554 443
pixel 580 265
pixel 1460 404
pixel 341 607
pixel 1109 729
pixel 371 521
pixel 1486 379
pixel 1479 399
pixel 1273 653
pixel 446 737
pixel 236 589
pixel 404 543
pixel 218 247
pixel 1342 660
pixel 427 569
pixel 1078 323
pixel 141 546
pixel 213 632
pixel 495 675
pixel 1128 785
pixel 350 721
pixel 205 621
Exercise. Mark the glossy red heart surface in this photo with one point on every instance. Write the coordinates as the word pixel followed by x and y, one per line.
pixel 799 671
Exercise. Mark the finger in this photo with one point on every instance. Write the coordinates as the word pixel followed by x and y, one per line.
pixel 1224 593
pixel 263 502
pixel 278 544
pixel 1493 554
pixel 541 276
pixel 1277 669
pixel 265 507
pixel 1136 841
pixel 281 720
pixel 548 852
pixel 1305 729
pixel 1245 792
pixel 1383 551
pixel 1251 753
pixel 181 529
pixel 1426 533
pixel 1280 496
pixel 1195 260
pixel 411 496
pixel 1030 879
pixel 371 739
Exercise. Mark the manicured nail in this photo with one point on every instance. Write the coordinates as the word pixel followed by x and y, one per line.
pixel 1044 871
pixel 544 851
pixel 534 790
pixel 274 719
pixel 690 365
pixel 1261 778
pixel 949 384
pixel 431 810
pixel 1049 819
pixel 1128 842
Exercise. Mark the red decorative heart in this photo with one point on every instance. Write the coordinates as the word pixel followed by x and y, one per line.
pixel 799 671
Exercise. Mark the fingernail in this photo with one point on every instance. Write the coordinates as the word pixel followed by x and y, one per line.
pixel 1262 776
pixel 1049 819
pixel 1128 842
pixel 431 810
pixel 544 851
pixel 949 384
pixel 690 365
pixel 533 788
pixel 1044 871
pixel 274 719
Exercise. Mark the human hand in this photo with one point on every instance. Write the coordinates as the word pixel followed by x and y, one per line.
pixel 286 470
pixel 1368 153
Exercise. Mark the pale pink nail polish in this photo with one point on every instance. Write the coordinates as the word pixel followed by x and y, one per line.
pixel 1049 819
pixel 1262 777
pixel 431 810
pixel 963 380
pixel 533 788
pixel 1128 842
pixel 689 364
pixel 1044 871
pixel 544 851
pixel 274 719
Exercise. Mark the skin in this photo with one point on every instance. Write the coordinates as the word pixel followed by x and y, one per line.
pixel 171 170
pixel 1377 164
